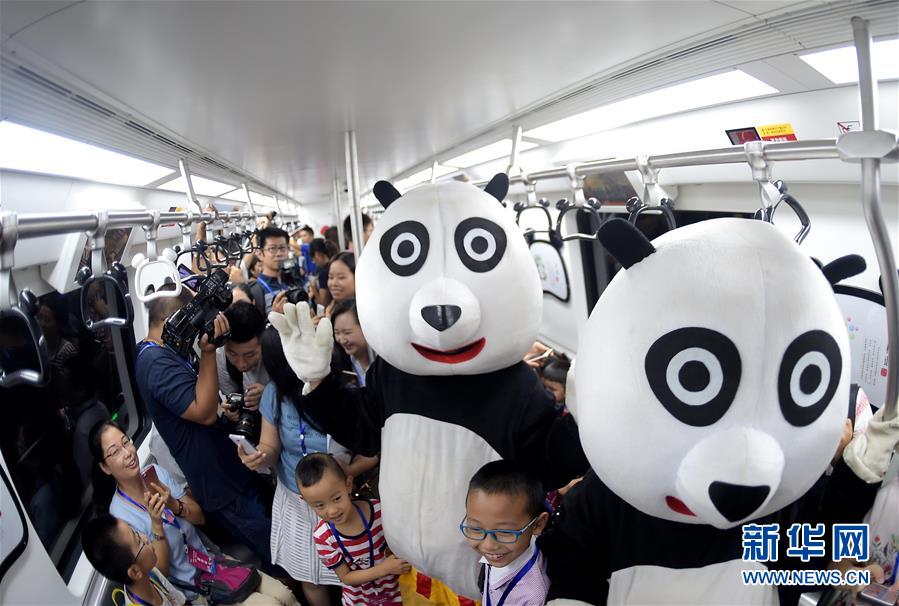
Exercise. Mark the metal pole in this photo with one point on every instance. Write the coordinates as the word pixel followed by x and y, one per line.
pixel 336 195
pixel 188 184
pixel 246 192
pixel 434 172
pixel 516 144
pixel 871 203
pixel 352 172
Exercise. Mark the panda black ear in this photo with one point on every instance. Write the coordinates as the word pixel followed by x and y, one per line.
pixel 498 186
pixel 385 192
pixel 844 267
pixel 625 242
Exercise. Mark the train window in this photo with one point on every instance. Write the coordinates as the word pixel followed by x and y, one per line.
pixel 43 436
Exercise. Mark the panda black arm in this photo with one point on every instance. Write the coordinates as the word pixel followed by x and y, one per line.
pixel 352 416
pixel 575 545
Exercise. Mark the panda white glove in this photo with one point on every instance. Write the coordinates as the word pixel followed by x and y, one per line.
pixel 868 454
pixel 306 347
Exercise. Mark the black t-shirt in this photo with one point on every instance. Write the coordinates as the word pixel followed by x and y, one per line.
pixel 207 457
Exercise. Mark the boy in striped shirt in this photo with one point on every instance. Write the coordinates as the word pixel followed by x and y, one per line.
pixel 349 538
pixel 504 513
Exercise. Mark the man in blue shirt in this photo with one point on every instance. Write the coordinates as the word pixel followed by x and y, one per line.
pixel 273 252
pixel 183 403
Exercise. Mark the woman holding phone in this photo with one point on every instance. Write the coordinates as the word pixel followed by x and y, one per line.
pixel 152 503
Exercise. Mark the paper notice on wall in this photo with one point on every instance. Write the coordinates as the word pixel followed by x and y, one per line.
pixel 777 132
pixel 848 127
pixel 866 322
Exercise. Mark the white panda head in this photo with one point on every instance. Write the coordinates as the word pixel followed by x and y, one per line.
pixel 712 377
pixel 445 285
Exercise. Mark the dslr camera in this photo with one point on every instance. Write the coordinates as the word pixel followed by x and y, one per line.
pixel 197 317
pixel 248 424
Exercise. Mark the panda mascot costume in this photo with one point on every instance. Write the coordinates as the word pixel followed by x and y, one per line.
pixel 711 391
pixel 449 298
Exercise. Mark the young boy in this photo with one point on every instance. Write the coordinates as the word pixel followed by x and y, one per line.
pixel 504 513
pixel 349 538
pixel 123 555
pixel 555 375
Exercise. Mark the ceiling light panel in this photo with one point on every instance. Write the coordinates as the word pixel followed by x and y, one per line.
pixel 840 66
pixel 28 149
pixel 712 90
pixel 202 186
pixel 487 153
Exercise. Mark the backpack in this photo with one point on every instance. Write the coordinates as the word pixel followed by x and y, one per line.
pixel 232 582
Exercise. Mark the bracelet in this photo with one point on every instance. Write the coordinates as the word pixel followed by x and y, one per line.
pixel 157 537
pixel 180 507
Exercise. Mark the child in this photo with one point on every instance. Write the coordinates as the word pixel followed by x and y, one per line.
pixel 123 555
pixel 504 513
pixel 555 374
pixel 349 538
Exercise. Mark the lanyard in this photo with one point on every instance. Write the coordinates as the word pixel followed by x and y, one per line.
pixel 145 345
pixel 167 512
pixel 156 583
pixel 371 541
pixel 267 287
pixel 303 436
pixel 518 576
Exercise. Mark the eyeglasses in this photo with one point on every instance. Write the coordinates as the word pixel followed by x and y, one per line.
pixel 500 536
pixel 140 539
pixel 275 249
pixel 115 451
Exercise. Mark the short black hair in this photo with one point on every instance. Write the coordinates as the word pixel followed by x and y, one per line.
pixel 109 557
pixel 557 370
pixel 348 226
pixel 242 287
pixel 307 228
pixel 160 309
pixel 269 233
pixel 506 477
pixel 245 320
pixel 318 246
pixel 312 467
pixel 345 306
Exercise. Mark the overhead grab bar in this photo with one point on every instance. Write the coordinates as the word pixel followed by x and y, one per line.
pixel 766 212
pixel 18 309
pixel 155 277
pixel 97 282
pixel 591 206
pixel 636 207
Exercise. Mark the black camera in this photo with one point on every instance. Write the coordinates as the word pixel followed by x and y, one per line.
pixel 248 421
pixel 198 316
pixel 295 294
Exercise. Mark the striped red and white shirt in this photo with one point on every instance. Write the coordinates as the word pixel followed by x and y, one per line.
pixel 385 590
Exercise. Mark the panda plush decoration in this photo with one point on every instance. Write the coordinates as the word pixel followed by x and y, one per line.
pixel 712 381
pixel 449 298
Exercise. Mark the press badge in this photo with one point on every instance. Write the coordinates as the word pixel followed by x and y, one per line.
pixel 200 560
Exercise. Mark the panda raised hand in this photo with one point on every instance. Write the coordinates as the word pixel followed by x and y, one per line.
pixel 449 298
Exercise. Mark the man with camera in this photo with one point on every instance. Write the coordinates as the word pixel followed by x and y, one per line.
pixel 242 377
pixel 183 402
pixel 273 255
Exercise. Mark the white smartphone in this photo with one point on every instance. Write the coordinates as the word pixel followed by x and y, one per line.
pixel 243 443
pixel 319 310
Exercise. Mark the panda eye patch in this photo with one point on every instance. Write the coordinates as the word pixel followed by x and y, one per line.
pixel 808 377
pixel 480 244
pixel 404 247
pixel 694 372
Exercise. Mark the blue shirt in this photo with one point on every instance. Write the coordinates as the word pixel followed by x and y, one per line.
pixel 207 457
pixel 289 429
pixel 179 566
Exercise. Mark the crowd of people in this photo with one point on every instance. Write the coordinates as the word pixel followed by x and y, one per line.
pixel 240 459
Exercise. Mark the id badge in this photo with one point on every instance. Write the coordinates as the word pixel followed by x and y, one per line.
pixel 200 560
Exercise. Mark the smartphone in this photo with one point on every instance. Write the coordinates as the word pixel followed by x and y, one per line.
pixel 150 476
pixel 188 278
pixel 243 443
pixel 879 594
pixel 319 310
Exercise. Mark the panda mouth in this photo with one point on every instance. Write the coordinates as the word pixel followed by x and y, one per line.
pixel 678 506
pixel 452 356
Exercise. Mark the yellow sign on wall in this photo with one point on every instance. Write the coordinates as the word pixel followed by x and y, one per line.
pixel 777 132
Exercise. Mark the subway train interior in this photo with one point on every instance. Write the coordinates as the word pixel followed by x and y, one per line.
pixel 143 142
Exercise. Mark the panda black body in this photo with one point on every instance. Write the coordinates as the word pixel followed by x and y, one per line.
pixel 449 298
pixel 602 549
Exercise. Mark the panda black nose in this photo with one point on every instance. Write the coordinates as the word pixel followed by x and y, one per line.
pixel 441 317
pixel 737 502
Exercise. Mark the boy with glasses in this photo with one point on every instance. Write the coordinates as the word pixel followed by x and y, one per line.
pixel 504 515
pixel 123 555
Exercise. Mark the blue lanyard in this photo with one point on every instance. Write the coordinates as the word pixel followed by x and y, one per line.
pixel 520 575
pixel 165 520
pixel 156 583
pixel 266 286
pixel 303 436
pixel 371 541
pixel 145 345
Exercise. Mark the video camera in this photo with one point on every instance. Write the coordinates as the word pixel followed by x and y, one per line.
pixel 197 317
